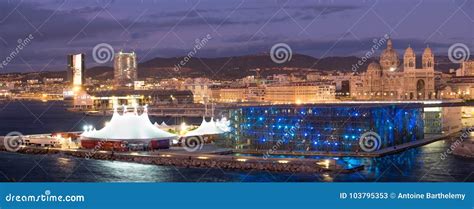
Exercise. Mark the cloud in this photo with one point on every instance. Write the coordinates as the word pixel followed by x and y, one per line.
pixel 144 26
pixel 85 10
pixel 312 47
pixel 245 15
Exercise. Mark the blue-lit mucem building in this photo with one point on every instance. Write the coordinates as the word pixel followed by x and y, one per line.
pixel 324 127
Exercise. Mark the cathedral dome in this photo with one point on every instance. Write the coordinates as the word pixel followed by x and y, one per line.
pixel 389 58
pixel 374 70
pixel 373 66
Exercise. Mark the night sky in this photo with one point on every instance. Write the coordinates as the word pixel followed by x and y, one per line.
pixel 169 28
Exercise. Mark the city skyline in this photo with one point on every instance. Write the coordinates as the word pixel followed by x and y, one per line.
pixel 116 98
pixel 237 28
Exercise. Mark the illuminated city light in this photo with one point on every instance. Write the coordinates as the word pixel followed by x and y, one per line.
pixel 325 163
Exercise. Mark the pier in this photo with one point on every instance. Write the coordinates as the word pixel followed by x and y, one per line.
pixel 211 156
pixel 202 160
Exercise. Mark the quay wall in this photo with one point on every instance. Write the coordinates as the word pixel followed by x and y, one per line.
pixel 195 161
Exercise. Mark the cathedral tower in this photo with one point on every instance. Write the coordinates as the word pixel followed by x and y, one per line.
pixel 428 59
pixel 409 59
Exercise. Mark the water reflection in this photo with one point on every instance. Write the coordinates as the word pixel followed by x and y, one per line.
pixel 420 164
pixel 134 172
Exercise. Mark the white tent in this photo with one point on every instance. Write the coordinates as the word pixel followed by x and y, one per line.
pixel 207 128
pixel 223 124
pixel 164 125
pixel 129 126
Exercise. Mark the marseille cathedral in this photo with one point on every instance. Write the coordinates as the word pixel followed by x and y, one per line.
pixel 391 80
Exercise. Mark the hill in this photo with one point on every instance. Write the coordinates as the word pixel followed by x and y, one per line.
pixel 227 68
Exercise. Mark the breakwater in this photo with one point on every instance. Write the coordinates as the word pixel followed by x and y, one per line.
pixel 191 160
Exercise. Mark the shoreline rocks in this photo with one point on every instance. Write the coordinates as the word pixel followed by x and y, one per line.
pixel 187 162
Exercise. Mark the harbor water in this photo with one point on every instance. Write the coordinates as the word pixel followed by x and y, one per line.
pixel 419 164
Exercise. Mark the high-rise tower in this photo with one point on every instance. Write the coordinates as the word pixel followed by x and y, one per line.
pixel 125 69
pixel 75 71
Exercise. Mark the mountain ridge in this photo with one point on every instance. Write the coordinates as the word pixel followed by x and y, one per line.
pixel 228 68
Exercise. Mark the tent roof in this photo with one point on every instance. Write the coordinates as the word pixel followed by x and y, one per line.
pixel 164 125
pixel 207 128
pixel 129 126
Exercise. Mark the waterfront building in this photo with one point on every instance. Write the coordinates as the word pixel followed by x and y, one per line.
pixel 229 95
pixel 335 127
pixel 442 120
pixel 467 68
pixel 250 93
pixel 301 92
pixel 82 101
pixel 391 80
pixel 104 100
pixel 200 88
pixel 76 78
pixel 76 70
pixel 446 92
pixel 125 69
pixel 341 81
pixel 287 93
pixel 460 87
pixel 255 93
